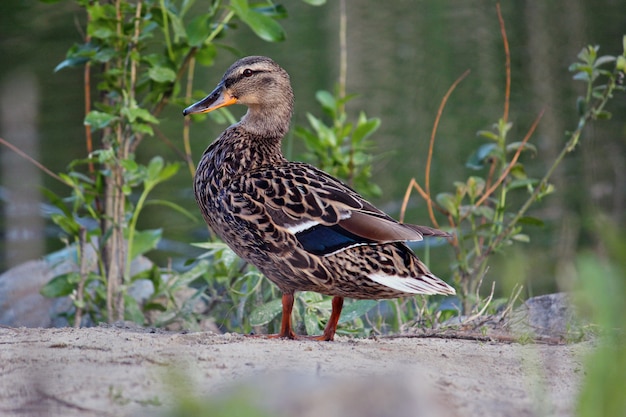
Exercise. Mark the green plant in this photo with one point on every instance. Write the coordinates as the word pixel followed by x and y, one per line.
pixel 341 148
pixel 601 285
pixel 136 54
pixel 479 209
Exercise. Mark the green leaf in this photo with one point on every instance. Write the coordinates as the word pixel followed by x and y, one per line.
pixel 582 76
pixel 325 135
pixel 263 26
pixel 132 311
pixel 56 201
pixel 311 323
pixel 177 25
pixel 173 206
pixel 621 63
pixel 67 223
pixel 154 168
pixel 365 127
pixel 71 63
pixel 137 113
pixel 215 246
pixel 527 183
pixel 477 159
pixel 327 101
pixel 162 74
pixel 102 29
pixel 186 278
pixel 60 286
pixel 448 202
pixel 265 313
pixel 475 187
pixel 318 2
pixel 521 237
pixel 484 211
pixel 489 135
pixel 206 55
pixel 104 55
pixel 518 172
pixel 602 115
pixel 531 221
pixel 276 11
pixel 142 128
pixel 129 164
pixel 145 241
pixel 168 171
pixel 198 30
pixel 356 309
pixel 603 60
pixel 514 146
pixel 99 120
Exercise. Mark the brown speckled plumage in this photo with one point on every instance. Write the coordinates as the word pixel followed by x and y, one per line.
pixel 305 230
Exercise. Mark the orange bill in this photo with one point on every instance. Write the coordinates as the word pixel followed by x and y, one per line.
pixel 218 98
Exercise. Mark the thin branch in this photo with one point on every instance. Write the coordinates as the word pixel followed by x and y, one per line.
pixel 507 54
pixel 512 163
pixel 407 196
pixel 343 53
pixel 432 142
pixel 482 311
pixel 187 120
pixel 33 161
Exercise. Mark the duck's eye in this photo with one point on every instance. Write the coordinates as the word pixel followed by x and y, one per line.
pixel 247 72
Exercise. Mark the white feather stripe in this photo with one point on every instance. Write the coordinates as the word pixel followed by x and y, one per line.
pixel 300 227
pixel 308 224
pixel 425 284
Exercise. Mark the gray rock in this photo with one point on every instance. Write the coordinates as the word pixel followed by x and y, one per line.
pixel 21 304
pixel 551 315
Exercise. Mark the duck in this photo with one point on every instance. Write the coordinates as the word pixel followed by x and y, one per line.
pixel 302 228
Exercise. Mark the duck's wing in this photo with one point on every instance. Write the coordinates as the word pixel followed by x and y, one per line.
pixel 324 214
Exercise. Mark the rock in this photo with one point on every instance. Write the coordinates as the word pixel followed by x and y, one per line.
pixel 21 304
pixel 551 315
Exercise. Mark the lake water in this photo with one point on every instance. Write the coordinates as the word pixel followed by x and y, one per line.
pixel 402 57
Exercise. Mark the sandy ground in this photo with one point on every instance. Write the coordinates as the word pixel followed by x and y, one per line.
pixel 113 371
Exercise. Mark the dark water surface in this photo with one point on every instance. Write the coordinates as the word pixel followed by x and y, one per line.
pixel 402 57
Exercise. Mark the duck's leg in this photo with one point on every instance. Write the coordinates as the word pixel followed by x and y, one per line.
pixel 331 326
pixel 285 324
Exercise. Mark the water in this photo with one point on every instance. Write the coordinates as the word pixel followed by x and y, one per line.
pixel 402 57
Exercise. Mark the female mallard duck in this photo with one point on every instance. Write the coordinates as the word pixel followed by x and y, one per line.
pixel 302 228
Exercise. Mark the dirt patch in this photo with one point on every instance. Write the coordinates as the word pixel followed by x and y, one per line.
pixel 109 371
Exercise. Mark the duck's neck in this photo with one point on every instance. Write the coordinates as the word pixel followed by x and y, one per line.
pixel 271 122
pixel 252 143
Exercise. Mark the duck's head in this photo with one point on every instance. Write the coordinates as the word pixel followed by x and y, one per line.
pixel 260 84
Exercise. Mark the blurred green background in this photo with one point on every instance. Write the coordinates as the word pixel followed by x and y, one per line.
pixel 402 57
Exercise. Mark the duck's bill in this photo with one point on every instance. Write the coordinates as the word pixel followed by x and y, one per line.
pixel 218 98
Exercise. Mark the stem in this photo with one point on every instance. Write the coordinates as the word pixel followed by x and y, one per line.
pixel 507 64
pixel 512 163
pixel 158 107
pixel 166 32
pixel 83 271
pixel 132 227
pixel 187 120
pixel 431 146
pixel 343 54
pixel 569 147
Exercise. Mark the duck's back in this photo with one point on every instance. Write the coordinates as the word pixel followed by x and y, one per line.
pixel 304 229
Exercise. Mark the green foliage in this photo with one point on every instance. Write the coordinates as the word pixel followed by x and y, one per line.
pixel 341 148
pixel 138 53
pixel 480 209
pixel 601 282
